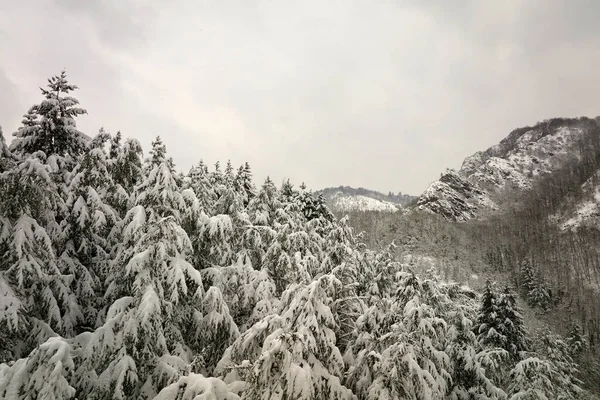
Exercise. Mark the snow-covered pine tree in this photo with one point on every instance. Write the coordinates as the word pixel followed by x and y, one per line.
pixel 473 368
pixel 217 331
pixel 54 130
pixel 512 326
pixel 488 321
pixel 197 387
pixel 216 177
pixel 412 362
pixel 536 378
pixel 86 251
pixel 554 349
pixel 125 167
pixel 152 328
pixel 45 375
pixel 198 181
pixel 32 281
pixel 293 355
pixel 7 159
pixel 116 145
pixel 243 184
pixel 576 340
pixel 534 287
pixel 158 192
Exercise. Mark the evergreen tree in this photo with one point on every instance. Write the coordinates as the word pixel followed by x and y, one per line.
pixel 243 184
pixel 87 250
pixel 44 375
pixel 217 330
pixel 152 328
pixel 159 192
pixel 576 340
pixel 197 387
pixel 198 180
pixel 53 131
pixel 126 166
pixel 489 319
pixel 293 355
pixel 7 160
pixel 512 326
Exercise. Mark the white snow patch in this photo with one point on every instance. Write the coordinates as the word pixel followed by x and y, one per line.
pixel 342 202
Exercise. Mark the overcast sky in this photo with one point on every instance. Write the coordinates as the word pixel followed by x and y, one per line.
pixel 383 94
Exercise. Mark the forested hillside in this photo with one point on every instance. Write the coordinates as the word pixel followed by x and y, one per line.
pixel 542 236
pixel 124 278
pixel 345 198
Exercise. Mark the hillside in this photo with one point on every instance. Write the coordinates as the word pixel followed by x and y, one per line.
pixel 486 179
pixel 345 199
pixel 525 211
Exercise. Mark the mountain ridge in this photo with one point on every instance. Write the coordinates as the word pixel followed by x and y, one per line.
pixel 486 178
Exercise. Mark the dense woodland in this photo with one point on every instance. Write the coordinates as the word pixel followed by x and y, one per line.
pixel 555 270
pixel 122 278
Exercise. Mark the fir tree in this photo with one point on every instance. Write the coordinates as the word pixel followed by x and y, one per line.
pixel 512 326
pixel 7 159
pixel 54 130
pixel 46 374
pixel 576 340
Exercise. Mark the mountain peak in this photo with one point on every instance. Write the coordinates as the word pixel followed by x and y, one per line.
pixel 513 164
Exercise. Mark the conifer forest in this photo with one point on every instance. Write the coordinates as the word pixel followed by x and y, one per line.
pixel 123 277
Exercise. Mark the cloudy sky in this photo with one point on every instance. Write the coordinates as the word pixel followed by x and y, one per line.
pixel 383 94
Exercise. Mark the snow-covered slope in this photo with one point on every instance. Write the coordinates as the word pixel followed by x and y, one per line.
pixel 585 210
pixel 345 199
pixel 343 202
pixel 513 164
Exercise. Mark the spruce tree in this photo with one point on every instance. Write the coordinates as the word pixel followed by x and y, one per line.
pixel 512 325
pixel 151 330
pixel 53 131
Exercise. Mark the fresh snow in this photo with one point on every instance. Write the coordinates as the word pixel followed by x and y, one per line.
pixel 345 203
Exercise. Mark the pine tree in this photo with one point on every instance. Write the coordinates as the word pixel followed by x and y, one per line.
pixel 512 326
pixel 488 323
pixel 576 340
pixel 115 146
pixel 299 357
pixel 45 375
pixel 197 387
pixel 152 328
pixel 86 250
pixel 472 367
pixel 126 166
pixel 243 184
pixel 159 192
pixel 54 130
pixel 217 330
pixel 198 180
pixel 7 159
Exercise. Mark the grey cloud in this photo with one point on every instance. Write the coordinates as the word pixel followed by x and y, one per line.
pixel 121 24
pixel 11 106
pixel 376 94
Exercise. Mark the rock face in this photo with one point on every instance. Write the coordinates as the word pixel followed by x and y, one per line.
pixel 513 164
pixel 454 198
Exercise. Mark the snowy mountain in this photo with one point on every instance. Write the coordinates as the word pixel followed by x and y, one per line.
pixel 345 198
pixel 486 178
pixel 124 278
